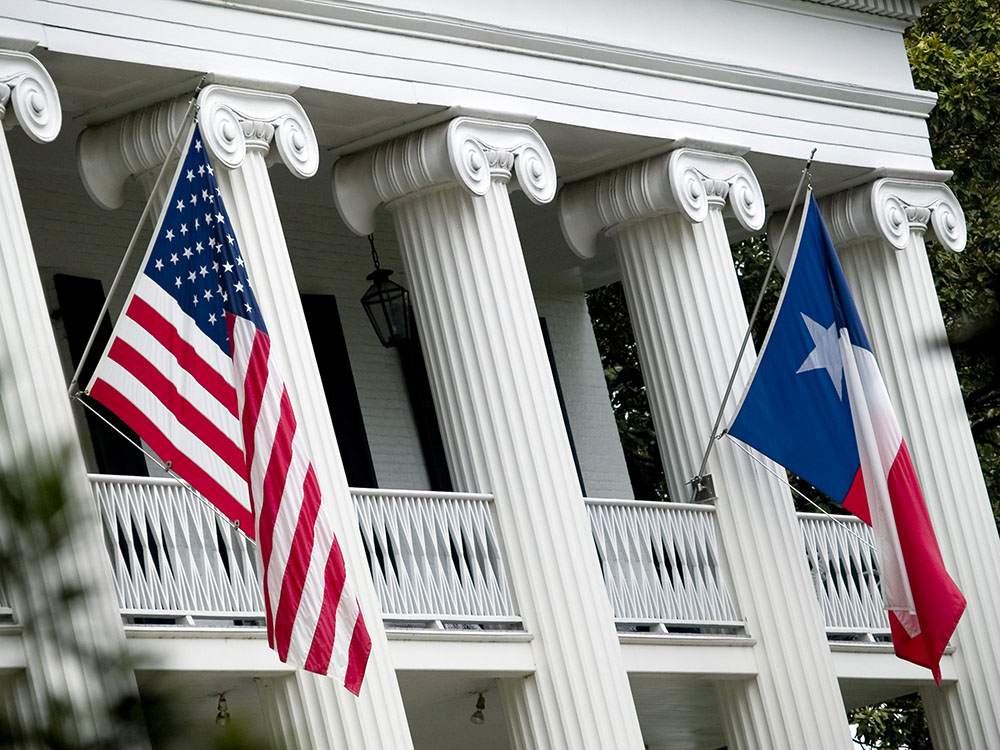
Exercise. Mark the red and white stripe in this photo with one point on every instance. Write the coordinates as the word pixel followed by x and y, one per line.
pixel 173 386
pixel 313 617
pixel 924 603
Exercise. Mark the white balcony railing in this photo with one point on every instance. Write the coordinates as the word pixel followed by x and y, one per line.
pixel 845 574
pixel 661 568
pixel 435 557
pixel 172 556
pixel 437 560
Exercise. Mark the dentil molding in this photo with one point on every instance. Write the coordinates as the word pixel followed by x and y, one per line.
pixel 466 150
pixel 688 181
pixel 136 144
pixel 891 208
pixel 27 85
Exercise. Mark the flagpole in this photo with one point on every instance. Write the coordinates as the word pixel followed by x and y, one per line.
pixel 697 482
pixel 135 237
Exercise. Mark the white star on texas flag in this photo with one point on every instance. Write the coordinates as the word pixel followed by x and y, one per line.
pixel 825 354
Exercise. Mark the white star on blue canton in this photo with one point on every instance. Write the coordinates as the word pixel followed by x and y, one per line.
pixel 825 354
pixel 180 205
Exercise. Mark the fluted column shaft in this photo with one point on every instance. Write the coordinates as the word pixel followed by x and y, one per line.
pixel 500 418
pixel 891 279
pixel 239 127
pixel 689 320
pixel 65 640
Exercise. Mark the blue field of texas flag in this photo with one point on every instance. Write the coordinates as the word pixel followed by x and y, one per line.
pixel 817 404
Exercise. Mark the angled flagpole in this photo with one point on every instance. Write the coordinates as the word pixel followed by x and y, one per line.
pixel 698 481
pixel 182 131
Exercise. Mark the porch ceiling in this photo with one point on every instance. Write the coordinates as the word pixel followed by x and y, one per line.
pixel 94 90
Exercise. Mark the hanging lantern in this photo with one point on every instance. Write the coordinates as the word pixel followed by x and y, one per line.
pixel 387 304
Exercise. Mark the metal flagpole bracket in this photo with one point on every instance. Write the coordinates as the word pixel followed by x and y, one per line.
pixel 704 489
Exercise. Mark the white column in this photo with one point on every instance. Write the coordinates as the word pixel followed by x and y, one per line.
pixel 665 218
pixel 239 127
pixel 879 231
pixel 446 188
pixel 64 640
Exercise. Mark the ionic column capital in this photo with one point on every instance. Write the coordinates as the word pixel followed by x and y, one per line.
pixel 689 181
pixel 234 118
pixel 891 209
pixel 468 151
pixel 26 84
pixel 231 119
pixel 133 145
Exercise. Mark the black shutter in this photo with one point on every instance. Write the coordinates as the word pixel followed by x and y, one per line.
pixel 418 387
pixel 328 342
pixel 80 301
pixel 562 402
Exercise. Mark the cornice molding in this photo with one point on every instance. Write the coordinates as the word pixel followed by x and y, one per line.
pixel 688 181
pixel 891 209
pixel 469 151
pixel 906 10
pixel 27 85
pixel 231 116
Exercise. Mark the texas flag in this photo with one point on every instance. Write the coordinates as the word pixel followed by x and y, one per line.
pixel 818 406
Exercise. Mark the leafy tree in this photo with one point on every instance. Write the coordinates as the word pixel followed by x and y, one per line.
pixel 953 51
pixel 899 724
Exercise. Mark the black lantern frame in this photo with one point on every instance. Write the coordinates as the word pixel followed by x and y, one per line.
pixel 387 304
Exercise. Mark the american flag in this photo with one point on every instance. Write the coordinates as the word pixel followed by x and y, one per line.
pixel 188 367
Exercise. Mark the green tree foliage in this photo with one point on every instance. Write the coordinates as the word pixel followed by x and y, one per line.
pixel 899 724
pixel 620 358
pixel 36 519
pixel 953 51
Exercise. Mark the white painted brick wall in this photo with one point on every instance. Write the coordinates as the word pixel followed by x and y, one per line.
pixel 581 377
